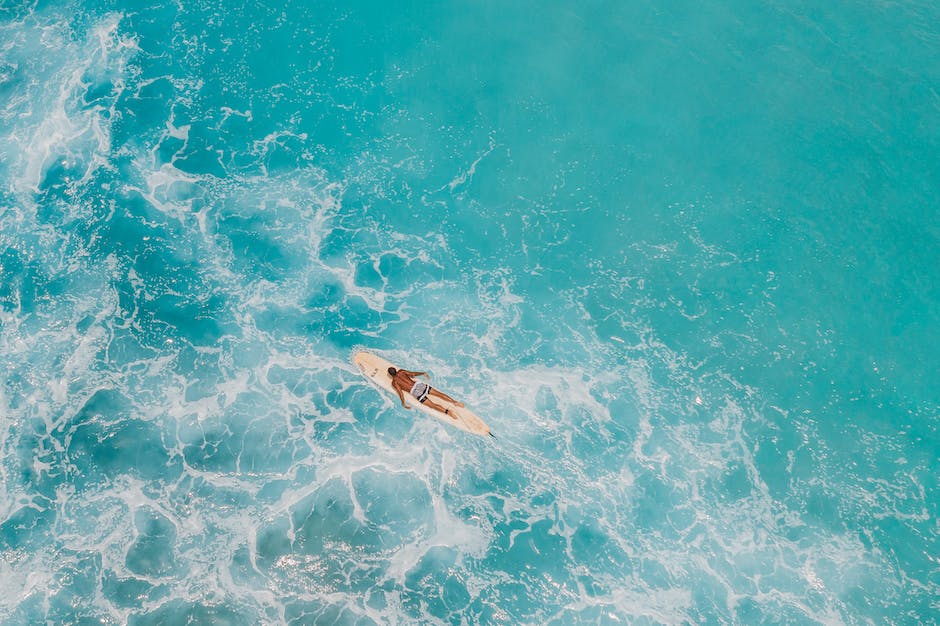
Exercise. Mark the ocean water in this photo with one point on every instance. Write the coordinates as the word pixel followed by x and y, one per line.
pixel 682 257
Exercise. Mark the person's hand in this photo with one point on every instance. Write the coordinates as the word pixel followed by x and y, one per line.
pixel 407 408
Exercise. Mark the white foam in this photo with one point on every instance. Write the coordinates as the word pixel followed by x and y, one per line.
pixel 69 129
pixel 467 175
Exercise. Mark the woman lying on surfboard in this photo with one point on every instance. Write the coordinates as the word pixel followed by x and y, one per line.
pixel 404 382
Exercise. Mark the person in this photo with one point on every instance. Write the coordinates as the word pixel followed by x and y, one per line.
pixel 403 381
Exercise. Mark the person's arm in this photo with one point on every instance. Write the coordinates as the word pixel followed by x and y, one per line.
pixel 425 374
pixel 401 396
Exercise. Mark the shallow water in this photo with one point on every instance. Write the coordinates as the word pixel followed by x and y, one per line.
pixel 681 256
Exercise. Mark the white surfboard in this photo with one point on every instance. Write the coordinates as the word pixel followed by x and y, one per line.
pixel 375 368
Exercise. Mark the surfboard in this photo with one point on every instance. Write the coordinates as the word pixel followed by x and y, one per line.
pixel 375 368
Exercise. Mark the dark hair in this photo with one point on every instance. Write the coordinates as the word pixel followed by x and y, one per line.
pixel 392 371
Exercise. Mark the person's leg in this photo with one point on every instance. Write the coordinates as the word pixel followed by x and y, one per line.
pixel 438 407
pixel 444 396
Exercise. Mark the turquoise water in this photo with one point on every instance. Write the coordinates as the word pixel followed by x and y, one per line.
pixel 683 258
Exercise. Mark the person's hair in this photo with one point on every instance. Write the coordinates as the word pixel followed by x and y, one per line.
pixel 392 371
